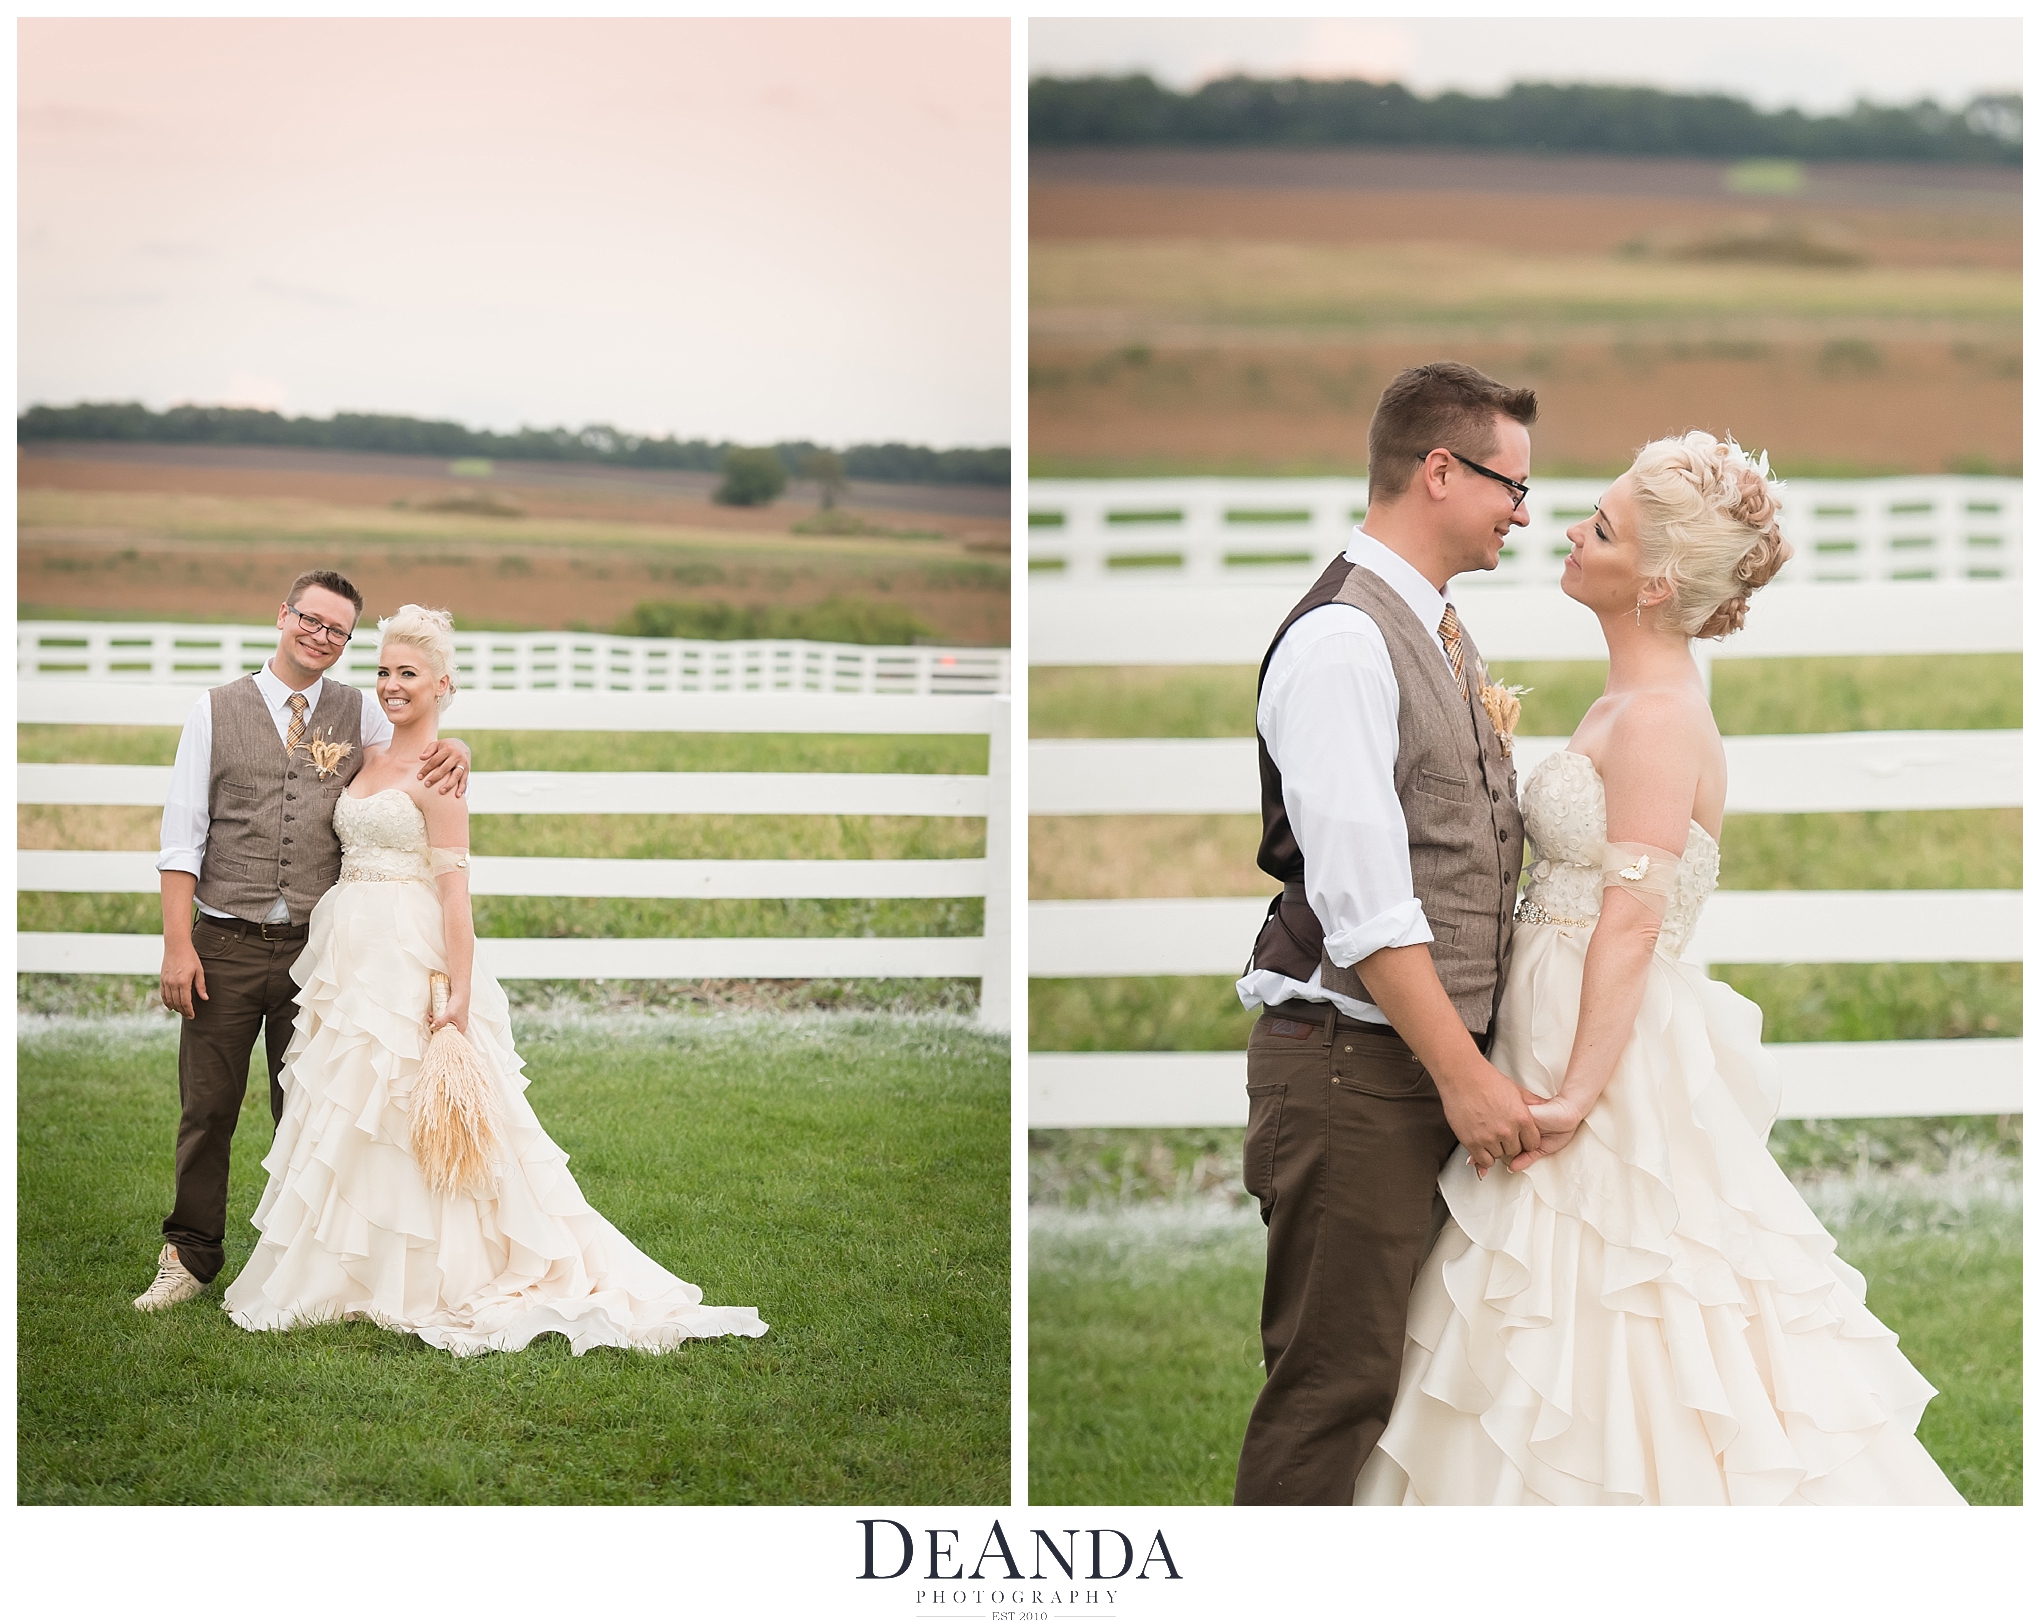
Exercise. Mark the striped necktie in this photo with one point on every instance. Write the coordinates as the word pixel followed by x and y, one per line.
pixel 1455 656
pixel 297 724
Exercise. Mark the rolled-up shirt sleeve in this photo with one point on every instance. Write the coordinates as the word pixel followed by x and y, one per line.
pixel 1332 730
pixel 187 809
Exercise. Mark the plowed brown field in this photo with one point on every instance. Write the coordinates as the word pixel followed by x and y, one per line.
pixel 175 541
pixel 1206 312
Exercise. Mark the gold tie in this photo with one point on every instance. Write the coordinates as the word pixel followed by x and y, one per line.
pixel 1448 634
pixel 297 724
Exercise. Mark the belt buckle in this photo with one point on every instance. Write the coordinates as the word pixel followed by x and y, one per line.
pixel 266 936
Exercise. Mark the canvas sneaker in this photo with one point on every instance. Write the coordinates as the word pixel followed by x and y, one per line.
pixel 174 1283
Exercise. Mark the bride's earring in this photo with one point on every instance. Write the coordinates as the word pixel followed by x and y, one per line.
pixel 1639 613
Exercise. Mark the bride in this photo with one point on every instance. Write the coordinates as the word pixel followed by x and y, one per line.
pixel 1642 1309
pixel 350 1226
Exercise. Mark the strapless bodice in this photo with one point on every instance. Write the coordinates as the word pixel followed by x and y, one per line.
pixel 1565 816
pixel 382 837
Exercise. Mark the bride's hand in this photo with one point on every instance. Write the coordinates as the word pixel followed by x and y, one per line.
pixel 456 1011
pixel 1557 1120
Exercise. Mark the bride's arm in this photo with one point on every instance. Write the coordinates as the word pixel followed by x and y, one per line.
pixel 446 829
pixel 1650 769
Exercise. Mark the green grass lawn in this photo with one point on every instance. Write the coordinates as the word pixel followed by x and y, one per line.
pixel 1144 1350
pixel 846 1175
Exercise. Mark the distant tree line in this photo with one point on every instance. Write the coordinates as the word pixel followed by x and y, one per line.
pixel 414 436
pixel 1241 111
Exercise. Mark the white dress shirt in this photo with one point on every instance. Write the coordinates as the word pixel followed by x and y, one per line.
pixel 1328 713
pixel 187 814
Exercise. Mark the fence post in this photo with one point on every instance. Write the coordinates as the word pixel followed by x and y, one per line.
pixel 995 990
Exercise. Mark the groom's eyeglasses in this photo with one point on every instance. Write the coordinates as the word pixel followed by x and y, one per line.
pixel 314 626
pixel 1516 487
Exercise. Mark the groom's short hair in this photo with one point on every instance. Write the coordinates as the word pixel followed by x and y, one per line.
pixel 326 580
pixel 1442 403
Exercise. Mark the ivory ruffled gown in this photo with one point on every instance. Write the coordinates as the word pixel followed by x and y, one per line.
pixel 1652 1315
pixel 349 1227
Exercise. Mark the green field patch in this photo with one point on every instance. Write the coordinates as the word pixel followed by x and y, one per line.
pixel 510 750
pixel 1144 1350
pixel 574 917
pixel 1862 693
pixel 845 1175
pixel 1802 1003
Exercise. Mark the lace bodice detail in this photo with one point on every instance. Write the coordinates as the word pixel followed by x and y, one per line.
pixel 1565 815
pixel 382 836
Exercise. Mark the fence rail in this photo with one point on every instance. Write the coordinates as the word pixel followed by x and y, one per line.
pixel 1083 531
pixel 1792 772
pixel 1199 572
pixel 987 958
pixel 206 655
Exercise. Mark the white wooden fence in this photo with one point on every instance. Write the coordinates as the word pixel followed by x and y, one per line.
pixel 1210 612
pixel 207 655
pixel 1082 531
pixel 987 958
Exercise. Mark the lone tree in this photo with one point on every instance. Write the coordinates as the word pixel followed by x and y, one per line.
pixel 825 468
pixel 750 477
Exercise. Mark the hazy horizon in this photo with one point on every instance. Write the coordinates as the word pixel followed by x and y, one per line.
pixel 1817 64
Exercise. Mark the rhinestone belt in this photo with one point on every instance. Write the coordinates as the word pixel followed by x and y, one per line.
pixel 1529 912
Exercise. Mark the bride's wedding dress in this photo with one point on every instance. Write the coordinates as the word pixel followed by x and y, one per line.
pixel 350 1228
pixel 1651 1315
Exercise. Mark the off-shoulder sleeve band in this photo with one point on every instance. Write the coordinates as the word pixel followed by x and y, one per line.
pixel 1644 871
pixel 447 858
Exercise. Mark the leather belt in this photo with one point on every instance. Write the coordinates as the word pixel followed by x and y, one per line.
pixel 264 932
pixel 1331 1020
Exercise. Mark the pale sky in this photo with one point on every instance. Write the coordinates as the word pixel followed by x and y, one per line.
pixel 743 230
pixel 1819 65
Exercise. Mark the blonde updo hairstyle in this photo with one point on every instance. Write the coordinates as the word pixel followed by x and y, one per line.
pixel 1709 528
pixel 430 631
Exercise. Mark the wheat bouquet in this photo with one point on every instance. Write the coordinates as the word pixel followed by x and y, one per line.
pixel 453 1109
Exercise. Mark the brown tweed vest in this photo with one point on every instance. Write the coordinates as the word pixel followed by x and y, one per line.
pixel 272 814
pixel 1458 795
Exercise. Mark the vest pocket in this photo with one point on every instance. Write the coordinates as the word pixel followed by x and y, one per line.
pixel 237 791
pixel 1456 791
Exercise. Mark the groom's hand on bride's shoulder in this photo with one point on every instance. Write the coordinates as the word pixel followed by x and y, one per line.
pixel 444 766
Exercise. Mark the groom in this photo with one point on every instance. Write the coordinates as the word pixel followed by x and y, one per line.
pixel 248 836
pixel 1388 808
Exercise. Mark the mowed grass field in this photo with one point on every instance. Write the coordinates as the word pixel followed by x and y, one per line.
pixel 1144 1353
pixel 1144 1357
pixel 846 1175
pixel 1231 312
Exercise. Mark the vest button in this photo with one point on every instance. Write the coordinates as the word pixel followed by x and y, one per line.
pixel 1498 796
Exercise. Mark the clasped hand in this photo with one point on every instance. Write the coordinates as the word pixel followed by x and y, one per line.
pixel 1557 1120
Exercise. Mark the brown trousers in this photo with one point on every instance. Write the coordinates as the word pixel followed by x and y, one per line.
pixel 1345 1139
pixel 248 990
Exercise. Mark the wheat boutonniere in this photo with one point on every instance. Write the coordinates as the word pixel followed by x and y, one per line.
pixel 1504 706
pixel 326 754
